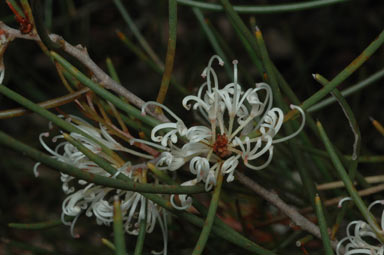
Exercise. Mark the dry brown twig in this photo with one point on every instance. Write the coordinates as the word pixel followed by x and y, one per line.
pixel 291 212
pixel 80 53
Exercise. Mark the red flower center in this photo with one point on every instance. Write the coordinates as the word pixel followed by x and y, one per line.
pixel 220 147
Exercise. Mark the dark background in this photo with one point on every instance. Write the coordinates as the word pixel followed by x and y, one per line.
pixel 322 40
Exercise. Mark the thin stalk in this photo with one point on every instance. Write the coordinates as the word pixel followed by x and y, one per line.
pixel 36 226
pixel 119 183
pixel 112 70
pixel 349 91
pixel 340 184
pixel 16 7
pixel 347 206
pixel 141 236
pixel 52 103
pixel 170 56
pixel 348 183
pixel 52 117
pixel 323 226
pixel 103 92
pixel 263 9
pixel 26 247
pixel 269 69
pixel 229 235
pixel 310 122
pixel 141 55
pixel 108 243
pixel 222 231
pixel 132 26
pixel 289 239
pixel 377 125
pixel 212 40
pixel 246 36
pixel 352 122
pixel 321 153
pixel 108 167
pixel 118 229
pixel 219 227
pixel 48 13
pixel 199 247
pixel 344 74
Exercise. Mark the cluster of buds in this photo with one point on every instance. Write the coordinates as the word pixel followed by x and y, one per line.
pixel 240 125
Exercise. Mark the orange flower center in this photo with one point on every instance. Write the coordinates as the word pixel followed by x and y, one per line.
pixel 220 147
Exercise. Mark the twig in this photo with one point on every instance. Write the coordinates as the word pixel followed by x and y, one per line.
pixel 81 54
pixel 291 212
pixel 340 184
pixel 56 102
pixel 329 202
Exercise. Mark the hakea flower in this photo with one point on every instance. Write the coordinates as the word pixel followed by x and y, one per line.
pixel 241 125
pixel 95 200
pixel 361 238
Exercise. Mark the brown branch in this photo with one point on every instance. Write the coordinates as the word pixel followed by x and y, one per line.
pixel 329 202
pixel 291 212
pixel 81 54
pixel 46 104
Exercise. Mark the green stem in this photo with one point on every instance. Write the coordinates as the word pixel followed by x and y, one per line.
pixel 52 103
pixel 125 184
pixel 352 122
pixel 108 243
pixel 212 40
pixel 199 247
pixel 219 228
pixel 245 35
pixel 112 70
pixel 323 226
pixel 348 183
pixel 36 226
pixel 349 91
pixel 269 69
pixel 16 7
pixel 264 9
pixel 103 92
pixel 118 229
pixel 142 231
pixel 344 74
pixel 26 247
pixel 170 56
pixel 321 153
pixel 141 55
pixel 50 116
pixel 127 18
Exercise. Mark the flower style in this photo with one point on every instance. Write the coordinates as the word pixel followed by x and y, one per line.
pixel 95 200
pixel 240 124
pixel 361 238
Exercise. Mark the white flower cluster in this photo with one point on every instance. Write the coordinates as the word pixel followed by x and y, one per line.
pixel 240 125
pixel 96 200
pixel 361 238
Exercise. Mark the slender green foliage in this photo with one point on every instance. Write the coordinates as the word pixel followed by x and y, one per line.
pixel 263 9
pixel 323 226
pixel 118 229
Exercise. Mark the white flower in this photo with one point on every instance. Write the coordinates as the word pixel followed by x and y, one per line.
pixel 95 200
pixel 361 238
pixel 241 124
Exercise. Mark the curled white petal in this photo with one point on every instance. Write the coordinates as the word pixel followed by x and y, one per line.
pixel 298 130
